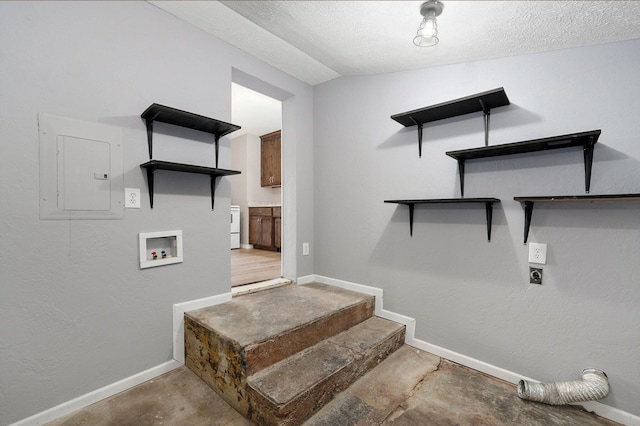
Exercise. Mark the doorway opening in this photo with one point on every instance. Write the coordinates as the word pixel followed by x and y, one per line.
pixel 256 245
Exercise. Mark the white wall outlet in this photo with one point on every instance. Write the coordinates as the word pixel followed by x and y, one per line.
pixel 305 249
pixel 132 198
pixel 538 253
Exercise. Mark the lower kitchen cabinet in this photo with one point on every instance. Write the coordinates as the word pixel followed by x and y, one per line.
pixel 262 228
pixel 277 227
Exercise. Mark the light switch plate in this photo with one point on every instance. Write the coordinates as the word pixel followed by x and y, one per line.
pixel 132 198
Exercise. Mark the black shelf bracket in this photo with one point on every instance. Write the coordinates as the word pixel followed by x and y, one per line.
pixel 411 207
pixel 150 176
pixel 528 212
pixel 588 161
pixel 420 140
pixel 586 140
pixel 214 173
pixel 486 115
pixel 150 181
pixel 461 174
pixel 217 148
pixel 528 202
pixel 213 190
pixel 420 125
pixel 189 120
pixel 479 102
pixel 489 210
pixel 149 123
pixel 488 203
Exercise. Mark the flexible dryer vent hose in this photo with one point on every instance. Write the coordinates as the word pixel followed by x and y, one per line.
pixel 594 385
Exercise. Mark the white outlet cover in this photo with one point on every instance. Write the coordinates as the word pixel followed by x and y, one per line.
pixel 538 253
pixel 132 198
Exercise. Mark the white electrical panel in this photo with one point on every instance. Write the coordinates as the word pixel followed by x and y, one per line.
pixel 81 169
pixel 84 174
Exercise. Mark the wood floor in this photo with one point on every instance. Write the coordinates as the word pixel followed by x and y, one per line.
pixel 253 265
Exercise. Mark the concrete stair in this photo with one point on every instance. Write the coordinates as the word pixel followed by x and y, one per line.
pixel 279 355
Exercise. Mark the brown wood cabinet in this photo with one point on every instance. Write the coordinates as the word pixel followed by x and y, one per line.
pixel 270 159
pixel 264 227
pixel 277 227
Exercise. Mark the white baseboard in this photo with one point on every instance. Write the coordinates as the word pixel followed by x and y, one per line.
pixel 178 320
pixel 97 395
pixel 92 397
pixel 305 279
pixel 600 409
pixel 179 309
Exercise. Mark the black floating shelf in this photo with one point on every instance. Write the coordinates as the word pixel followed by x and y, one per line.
pixel 488 202
pixel 586 140
pixel 475 103
pixel 528 202
pixel 214 173
pixel 189 120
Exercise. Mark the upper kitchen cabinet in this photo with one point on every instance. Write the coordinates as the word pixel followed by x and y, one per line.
pixel 270 152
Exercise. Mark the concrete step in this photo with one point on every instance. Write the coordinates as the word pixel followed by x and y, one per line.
pixel 385 392
pixel 291 391
pixel 226 343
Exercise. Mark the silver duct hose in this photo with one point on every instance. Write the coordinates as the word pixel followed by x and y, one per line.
pixel 594 385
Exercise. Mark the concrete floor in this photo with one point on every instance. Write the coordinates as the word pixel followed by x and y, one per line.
pixel 411 387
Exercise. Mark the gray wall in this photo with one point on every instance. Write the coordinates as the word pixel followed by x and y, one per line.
pixel 468 295
pixel 76 312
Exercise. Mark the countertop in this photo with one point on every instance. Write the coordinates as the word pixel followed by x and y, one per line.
pixel 263 204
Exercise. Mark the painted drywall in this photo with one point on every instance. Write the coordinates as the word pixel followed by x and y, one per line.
pixel 239 183
pixel 468 295
pixel 239 162
pixel 76 311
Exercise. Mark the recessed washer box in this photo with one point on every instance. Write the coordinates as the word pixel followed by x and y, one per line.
pixel 160 248
pixel 81 169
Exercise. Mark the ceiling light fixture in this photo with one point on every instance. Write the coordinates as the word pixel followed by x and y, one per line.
pixel 427 34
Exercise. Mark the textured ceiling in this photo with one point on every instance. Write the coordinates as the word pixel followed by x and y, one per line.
pixel 317 41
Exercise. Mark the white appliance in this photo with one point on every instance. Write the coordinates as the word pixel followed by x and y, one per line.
pixel 235 227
